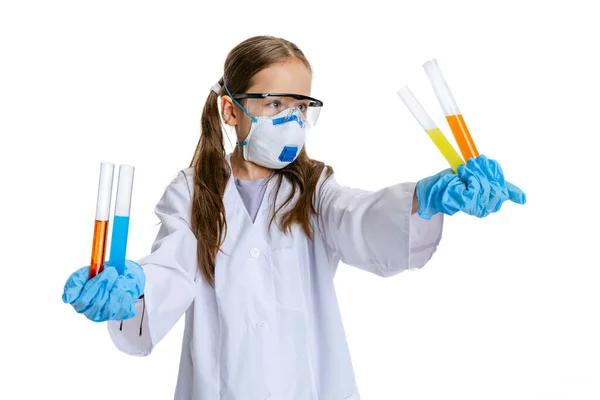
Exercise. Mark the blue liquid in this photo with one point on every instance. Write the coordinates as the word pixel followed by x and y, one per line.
pixel 118 243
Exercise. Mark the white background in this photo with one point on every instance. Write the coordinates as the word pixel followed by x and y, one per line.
pixel 507 308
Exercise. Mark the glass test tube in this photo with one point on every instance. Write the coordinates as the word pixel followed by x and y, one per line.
pixel 102 215
pixel 450 108
pixel 435 134
pixel 118 241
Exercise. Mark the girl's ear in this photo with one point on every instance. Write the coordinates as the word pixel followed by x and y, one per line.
pixel 228 111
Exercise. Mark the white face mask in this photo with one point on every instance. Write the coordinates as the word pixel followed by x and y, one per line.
pixel 274 142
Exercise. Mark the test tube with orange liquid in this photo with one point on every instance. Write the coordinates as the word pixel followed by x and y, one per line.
pixel 453 115
pixel 432 130
pixel 102 216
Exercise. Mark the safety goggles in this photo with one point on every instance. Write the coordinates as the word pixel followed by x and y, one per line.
pixel 271 104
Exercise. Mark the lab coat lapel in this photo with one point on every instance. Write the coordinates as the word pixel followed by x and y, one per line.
pixel 242 236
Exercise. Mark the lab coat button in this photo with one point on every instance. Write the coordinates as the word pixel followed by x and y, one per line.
pixel 254 252
pixel 261 325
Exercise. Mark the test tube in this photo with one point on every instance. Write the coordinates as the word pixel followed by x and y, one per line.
pixel 435 134
pixel 453 115
pixel 102 214
pixel 118 242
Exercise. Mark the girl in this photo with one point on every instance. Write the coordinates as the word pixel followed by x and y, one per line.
pixel 250 242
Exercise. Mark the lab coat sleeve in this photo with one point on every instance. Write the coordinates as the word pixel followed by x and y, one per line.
pixel 170 271
pixel 376 231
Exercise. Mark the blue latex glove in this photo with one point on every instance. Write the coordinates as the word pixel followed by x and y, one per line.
pixel 108 295
pixel 478 189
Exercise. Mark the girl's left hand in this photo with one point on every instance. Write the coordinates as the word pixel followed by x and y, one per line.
pixel 478 189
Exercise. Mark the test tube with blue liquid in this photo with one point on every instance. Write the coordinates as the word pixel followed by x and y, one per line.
pixel 118 241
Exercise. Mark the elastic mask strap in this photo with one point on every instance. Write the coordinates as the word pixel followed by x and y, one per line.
pixel 254 119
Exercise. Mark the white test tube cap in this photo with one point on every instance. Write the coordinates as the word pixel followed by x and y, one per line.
pixel 416 109
pixel 124 191
pixel 104 191
pixel 440 87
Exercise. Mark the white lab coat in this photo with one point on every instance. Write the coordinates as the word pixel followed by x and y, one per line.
pixel 271 328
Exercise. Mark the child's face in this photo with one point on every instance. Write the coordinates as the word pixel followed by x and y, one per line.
pixel 289 77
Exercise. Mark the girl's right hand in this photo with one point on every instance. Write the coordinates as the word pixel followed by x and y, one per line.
pixel 108 295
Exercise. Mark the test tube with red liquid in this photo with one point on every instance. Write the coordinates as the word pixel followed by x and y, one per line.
pixel 103 203
pixel 453 115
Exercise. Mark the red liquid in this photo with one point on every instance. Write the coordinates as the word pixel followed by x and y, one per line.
pixel 462 136
pixel 98 247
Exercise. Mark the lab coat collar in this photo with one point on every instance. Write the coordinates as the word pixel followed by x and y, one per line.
pixel 233 201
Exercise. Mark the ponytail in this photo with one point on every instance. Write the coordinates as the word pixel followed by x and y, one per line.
pixel 211 173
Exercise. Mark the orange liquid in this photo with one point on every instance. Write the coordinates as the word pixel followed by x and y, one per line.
pixel 462 136
pixel 98 247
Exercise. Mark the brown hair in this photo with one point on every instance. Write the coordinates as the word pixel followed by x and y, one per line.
pixel 212 172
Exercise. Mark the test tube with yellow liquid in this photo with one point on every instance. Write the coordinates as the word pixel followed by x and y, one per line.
pixel 453 115
pixel 434 133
